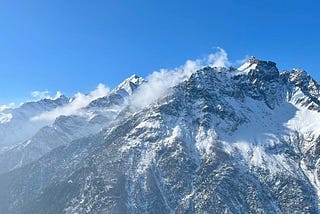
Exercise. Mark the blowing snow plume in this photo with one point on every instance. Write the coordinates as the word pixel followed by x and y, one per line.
pixel 159 82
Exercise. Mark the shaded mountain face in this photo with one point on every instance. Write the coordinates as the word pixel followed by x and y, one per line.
pixel 224 141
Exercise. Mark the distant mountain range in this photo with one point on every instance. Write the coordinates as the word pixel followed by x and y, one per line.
pixel 222 140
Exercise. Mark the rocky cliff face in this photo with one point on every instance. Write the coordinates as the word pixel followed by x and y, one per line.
pixel 224 141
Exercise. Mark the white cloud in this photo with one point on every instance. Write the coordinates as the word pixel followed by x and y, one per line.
pixel 240 62
pixel 160 81
pixel 75 106
pixel 218 59
pixel 58 94
pixel 8 106
pixel 40 94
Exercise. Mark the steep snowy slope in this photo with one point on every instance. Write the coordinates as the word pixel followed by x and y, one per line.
pixel 224 141
pixel 97 115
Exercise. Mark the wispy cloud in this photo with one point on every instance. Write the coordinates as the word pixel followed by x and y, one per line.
pixel 159 82
pixel 218 59
pixel 241 61
pixel 74 107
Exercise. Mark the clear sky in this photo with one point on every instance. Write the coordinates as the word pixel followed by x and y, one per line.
pixel 72 45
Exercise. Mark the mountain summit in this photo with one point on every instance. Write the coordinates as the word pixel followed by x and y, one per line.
pixel 222 141
pixel 260 68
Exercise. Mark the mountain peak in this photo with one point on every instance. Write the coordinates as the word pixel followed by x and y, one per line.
pixel 300 78
pixel 253 63
pixel 130 84
pixel 117 95
pixel 133 79
pixel 134 76
pixel 60 96
pixel 260 68
pixel 250 64
pixel 253 60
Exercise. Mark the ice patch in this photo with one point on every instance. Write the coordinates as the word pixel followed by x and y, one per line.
pixel 248 66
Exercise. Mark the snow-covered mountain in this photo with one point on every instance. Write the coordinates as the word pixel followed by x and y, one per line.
pixel 95 116
pixel 225 140
pixel 16 125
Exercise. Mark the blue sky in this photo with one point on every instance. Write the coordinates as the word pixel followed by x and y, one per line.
pixel 73 45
